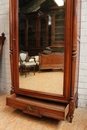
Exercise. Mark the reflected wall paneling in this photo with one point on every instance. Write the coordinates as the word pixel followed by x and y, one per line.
pixel 37 103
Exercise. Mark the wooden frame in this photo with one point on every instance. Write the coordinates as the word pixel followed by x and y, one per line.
pixel 71 56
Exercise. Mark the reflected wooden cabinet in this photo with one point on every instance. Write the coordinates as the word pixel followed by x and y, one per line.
pixel 22 27
pixel 44 27
pixel 33 32
pixel 40 103
pixel 58 25
pixel 51 61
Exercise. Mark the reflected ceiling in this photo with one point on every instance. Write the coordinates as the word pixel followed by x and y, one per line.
pixel 27 6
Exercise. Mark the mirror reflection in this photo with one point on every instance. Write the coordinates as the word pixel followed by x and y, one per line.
pixel 41 45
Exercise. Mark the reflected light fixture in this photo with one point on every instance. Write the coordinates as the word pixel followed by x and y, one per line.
pixel 59 2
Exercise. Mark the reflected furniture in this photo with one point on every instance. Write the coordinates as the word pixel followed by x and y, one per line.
pixel 58 25
pixel 33 32
pixel 2 38
pixel 39 103
pixel 51 61
pixel 37 59
pixel 26 63
pixel 36 33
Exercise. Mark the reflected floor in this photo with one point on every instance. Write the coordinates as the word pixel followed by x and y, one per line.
pixel 44 81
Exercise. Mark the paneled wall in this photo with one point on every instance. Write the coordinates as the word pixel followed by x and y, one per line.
pixel 5 77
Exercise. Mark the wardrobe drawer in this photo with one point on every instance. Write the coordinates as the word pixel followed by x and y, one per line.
pixel 38 107
pixel 20 103
pixel 32 110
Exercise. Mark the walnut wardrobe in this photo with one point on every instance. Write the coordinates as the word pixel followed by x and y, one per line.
pixel 39 25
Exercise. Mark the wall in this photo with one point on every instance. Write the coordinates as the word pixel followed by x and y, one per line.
pixel 5 78
pixel 83 58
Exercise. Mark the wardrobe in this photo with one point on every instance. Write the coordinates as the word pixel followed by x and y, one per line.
pixel 62 31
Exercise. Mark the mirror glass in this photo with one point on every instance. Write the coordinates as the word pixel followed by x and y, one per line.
pixel 41 46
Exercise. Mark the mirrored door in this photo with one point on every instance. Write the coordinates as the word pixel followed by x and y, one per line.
pixel 41 56
pixel 41 46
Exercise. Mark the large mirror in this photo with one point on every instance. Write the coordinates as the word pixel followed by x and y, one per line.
pixel 41 46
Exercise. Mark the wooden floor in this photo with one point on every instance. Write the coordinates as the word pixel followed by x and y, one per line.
pixel 11 119
pixel 44 81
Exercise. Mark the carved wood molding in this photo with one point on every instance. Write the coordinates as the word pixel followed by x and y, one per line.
pixel 74 52
pixel 2 38
pixel 74 56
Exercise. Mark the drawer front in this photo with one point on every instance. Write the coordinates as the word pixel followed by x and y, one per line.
pixel 26 108
pixel 33 110
pixel 38 108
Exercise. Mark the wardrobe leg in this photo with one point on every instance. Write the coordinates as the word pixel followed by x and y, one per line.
pixel 71 110
pixel 71 117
